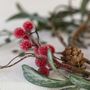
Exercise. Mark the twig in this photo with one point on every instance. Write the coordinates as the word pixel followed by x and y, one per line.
pixel 58 35
pixel 17 57
pixel 10 65
pixel 38 37
pixel 76 34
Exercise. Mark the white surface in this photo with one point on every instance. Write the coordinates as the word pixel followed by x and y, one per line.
pixel 12 78
pixel 43 7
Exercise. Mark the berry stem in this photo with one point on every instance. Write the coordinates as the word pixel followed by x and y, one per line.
pixel 38 37
pixel 60 38
pixel 10 65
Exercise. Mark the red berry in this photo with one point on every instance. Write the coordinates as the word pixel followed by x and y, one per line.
pixel 19 32
pixel 26 37
pixel 25 45
pixel 51 48
pixel 28 26
pixel 44 71
pixel 41 62
pixel 44 49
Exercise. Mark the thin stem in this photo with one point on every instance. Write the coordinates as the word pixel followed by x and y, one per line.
pixel 34 42
pixel 17 57
pixel 71 68
pixel 87 61
pixel 57 58
pixel 18 61
pixel 7 66
pixel 38 37
pixel 12 60
pixel 58 35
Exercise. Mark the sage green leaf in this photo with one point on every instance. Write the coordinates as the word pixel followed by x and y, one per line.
pixel 21 54
pixel 66 13
pixel 80 81
pixel 19 7
pixel 38 18
pixel 50 60
pixel 23 15
pixel 84 5
pixel 72 88
pixel 19 16
pixel 35 78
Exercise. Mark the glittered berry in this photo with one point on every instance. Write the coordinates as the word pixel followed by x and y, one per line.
pixel 41 62
pixel 26 37
pixel 25 45
pixel 19 32
pixel 51 48
pixel 43 50
pixel 44 71
pixel 28 26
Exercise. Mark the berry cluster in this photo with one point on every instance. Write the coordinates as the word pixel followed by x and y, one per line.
pixel 42 62
pixel 40 51
pixel 25 34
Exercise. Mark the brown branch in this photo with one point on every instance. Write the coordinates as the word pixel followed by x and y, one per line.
pixel 70 68
pixel 76 34
pixel 83 28
pixel 10 65
pixel 60 38
pixel 87 61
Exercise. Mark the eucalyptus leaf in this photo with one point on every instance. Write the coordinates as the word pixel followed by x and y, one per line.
pixel 84 5
pixel 19 16
pixel 35 78
pixel 50 60
pixel 23 15
pixel 66 13
pixel 19 7
pixel 80 81
pixel 21 54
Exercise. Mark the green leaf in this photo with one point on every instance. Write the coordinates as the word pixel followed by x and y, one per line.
pixel 35 78
pixel 66 13
pixel 80 81
pixel 19 7
pixel 19 16
pixel 23 15
pixel 84 5
pixel 22 54
pixel 50 60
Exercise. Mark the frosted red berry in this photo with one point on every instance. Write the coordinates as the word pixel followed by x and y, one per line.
pixel 44 71
pixel 19 32
pixel 51 48
pixel 26 37
pixel 25 45
pixel 43 50
pixel 28 26
pixel 41 62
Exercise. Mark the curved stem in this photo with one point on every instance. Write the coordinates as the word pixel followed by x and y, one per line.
pixel 60 38
pixel 17 57
pixel 10 65
pixel 38 37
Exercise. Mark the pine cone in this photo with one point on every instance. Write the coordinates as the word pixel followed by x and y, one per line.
pixel 73 56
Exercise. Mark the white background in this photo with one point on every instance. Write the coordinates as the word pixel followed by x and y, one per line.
pixel 43 7
pixel 12 78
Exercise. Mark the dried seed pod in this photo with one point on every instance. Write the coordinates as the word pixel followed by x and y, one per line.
pixel 73 56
